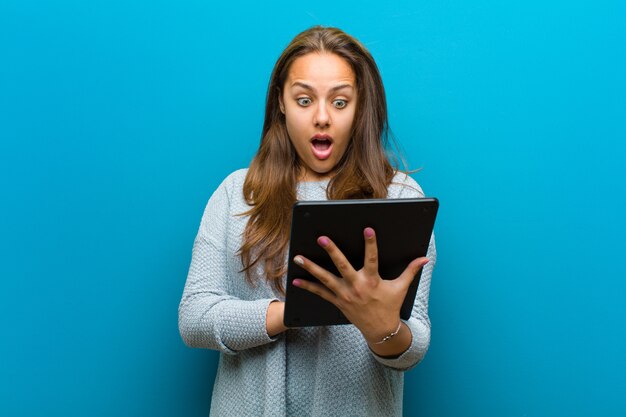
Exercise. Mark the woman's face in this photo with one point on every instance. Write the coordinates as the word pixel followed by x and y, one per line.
pixel 319 102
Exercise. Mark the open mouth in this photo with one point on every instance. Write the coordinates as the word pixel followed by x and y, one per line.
pixel 321 146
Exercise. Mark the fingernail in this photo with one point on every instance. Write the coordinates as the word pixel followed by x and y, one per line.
pixel 299 260
pixel 323 241
pixel 369 232
pixel 427 260
pixel 296 282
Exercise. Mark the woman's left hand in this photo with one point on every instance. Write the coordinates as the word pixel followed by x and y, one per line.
pixel 371 303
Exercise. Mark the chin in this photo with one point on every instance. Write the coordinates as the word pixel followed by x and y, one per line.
pixel 323 171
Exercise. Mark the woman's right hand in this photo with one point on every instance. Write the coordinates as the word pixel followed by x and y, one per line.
pixel 274 321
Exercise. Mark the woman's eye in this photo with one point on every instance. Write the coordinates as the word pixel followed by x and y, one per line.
pixel 304 101
pixel 340 104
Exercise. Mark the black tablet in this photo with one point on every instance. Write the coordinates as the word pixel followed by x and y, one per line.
pixel 403 231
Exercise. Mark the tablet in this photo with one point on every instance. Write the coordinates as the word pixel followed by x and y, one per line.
pixel 403 230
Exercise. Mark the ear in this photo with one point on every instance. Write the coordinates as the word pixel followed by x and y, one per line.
pixel 281 105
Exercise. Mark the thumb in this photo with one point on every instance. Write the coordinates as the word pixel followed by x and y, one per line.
pixel 407 276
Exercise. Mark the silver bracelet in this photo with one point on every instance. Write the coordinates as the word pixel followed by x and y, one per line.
pixel 390 335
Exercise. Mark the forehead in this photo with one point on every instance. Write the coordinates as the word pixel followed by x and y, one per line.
pixel 320 68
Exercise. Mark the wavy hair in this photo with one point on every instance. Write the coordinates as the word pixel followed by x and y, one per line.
pixel 364 171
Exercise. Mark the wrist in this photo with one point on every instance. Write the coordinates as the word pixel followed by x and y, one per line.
pixel 389 330
pixel 390 335
pixel 393 346
pixel 274 318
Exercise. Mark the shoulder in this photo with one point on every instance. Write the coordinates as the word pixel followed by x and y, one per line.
pixel 230 190
pixel 235 179
pixel 226 200
pixel 404 186
pixel 232 185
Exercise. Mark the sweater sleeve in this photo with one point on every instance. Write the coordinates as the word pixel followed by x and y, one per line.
pixel 419 322
pixel 209 316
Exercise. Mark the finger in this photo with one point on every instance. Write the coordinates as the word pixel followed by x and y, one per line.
pixel 324 276
pixel 316 289
pixel 407 276
pixel 343 265
pixel 370 264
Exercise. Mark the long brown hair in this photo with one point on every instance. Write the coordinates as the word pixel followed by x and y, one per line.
pixel 270 186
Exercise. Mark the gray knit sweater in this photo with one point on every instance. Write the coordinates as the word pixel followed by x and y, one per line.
pixel 318 371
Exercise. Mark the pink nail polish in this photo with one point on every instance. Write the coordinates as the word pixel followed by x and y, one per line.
pixel 296 282
pixel 323 241
pixel 369 232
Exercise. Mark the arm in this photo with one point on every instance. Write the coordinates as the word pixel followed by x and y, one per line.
pixel 209 315
pixel 418 325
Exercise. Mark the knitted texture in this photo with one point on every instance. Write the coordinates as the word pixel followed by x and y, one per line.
pixel 316 371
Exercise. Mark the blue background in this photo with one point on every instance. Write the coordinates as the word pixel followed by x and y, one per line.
pixel 118 119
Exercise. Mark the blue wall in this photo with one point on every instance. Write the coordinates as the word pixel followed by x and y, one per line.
pixel 118 119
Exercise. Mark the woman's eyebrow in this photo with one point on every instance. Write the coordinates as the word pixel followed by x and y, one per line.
pixel 308 87
pixel 341 86
pixel 303 85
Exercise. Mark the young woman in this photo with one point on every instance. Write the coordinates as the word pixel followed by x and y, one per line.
pixel 324 137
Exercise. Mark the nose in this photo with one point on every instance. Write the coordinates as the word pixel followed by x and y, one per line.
pixel 321 116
